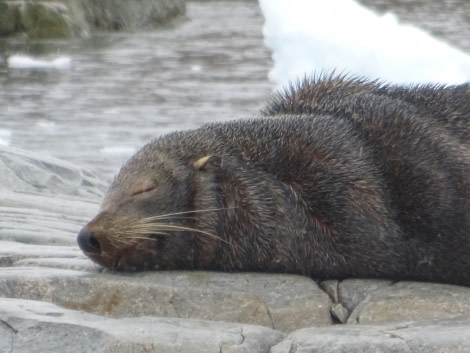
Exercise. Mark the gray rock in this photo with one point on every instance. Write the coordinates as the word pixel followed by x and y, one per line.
pixel 331 288
pixel 43 201
pixel 413 301
pixel 27 326
pixel 23 171
pixel 450 336
pixel 340 313
pixel 277 301
pixel 351 292
pixel 66 257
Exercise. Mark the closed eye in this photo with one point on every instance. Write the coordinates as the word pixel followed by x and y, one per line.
pixel 143 191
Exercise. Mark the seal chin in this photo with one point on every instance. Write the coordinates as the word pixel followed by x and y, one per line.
pixel 141 256
pixel 135 264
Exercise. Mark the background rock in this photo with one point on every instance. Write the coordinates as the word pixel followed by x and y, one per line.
pixel 130 15
pixel 67 18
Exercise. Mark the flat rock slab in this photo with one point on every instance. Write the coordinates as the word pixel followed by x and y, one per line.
pixel 404 301
pixel 450 336
pixel 281 302
pixel 27 326
pixel 49 328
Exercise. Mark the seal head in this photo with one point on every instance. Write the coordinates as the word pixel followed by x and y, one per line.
pixel 146 203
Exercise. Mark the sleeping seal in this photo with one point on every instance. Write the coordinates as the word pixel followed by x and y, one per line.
pixel 338 178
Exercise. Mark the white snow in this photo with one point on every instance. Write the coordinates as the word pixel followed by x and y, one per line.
pixel 319 36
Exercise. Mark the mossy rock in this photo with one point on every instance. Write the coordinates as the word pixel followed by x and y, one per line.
pixel 116 15
pixel 45 20
pixel 9 15
pixel 69 18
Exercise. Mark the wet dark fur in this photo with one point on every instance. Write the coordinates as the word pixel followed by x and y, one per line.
pixel 342 178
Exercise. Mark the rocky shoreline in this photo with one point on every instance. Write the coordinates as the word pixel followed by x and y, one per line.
pixel 52 295
pixel 70 18
pixel 53 299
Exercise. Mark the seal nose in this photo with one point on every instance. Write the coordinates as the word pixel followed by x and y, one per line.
pixel 87 242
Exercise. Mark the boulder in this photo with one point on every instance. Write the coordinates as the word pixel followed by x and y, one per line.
pixel 69 18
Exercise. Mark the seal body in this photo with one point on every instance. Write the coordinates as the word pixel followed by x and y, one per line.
pixel 340 178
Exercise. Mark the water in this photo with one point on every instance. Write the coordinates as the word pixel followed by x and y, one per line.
pixel 125 89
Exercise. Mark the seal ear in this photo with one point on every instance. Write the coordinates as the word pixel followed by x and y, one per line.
pixel 207 163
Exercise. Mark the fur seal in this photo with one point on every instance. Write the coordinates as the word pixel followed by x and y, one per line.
pixel 340 178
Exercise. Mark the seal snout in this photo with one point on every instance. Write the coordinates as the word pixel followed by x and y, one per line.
pixel 88 242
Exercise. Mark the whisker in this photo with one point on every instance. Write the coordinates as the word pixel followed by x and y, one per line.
pixel 150 225
pixel 182 228
pixel 119 241
pixel 153 219
pixel 162 229
pixel 133 236
pixel 159 217
pixel 177 216
pixel 144 230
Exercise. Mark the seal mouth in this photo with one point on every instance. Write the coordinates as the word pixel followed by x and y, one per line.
pixel 137 257
pixel 134 254
pixel 121 266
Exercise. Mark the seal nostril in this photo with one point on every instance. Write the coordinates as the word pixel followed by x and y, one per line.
pixel 94 243
pixel 87 242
